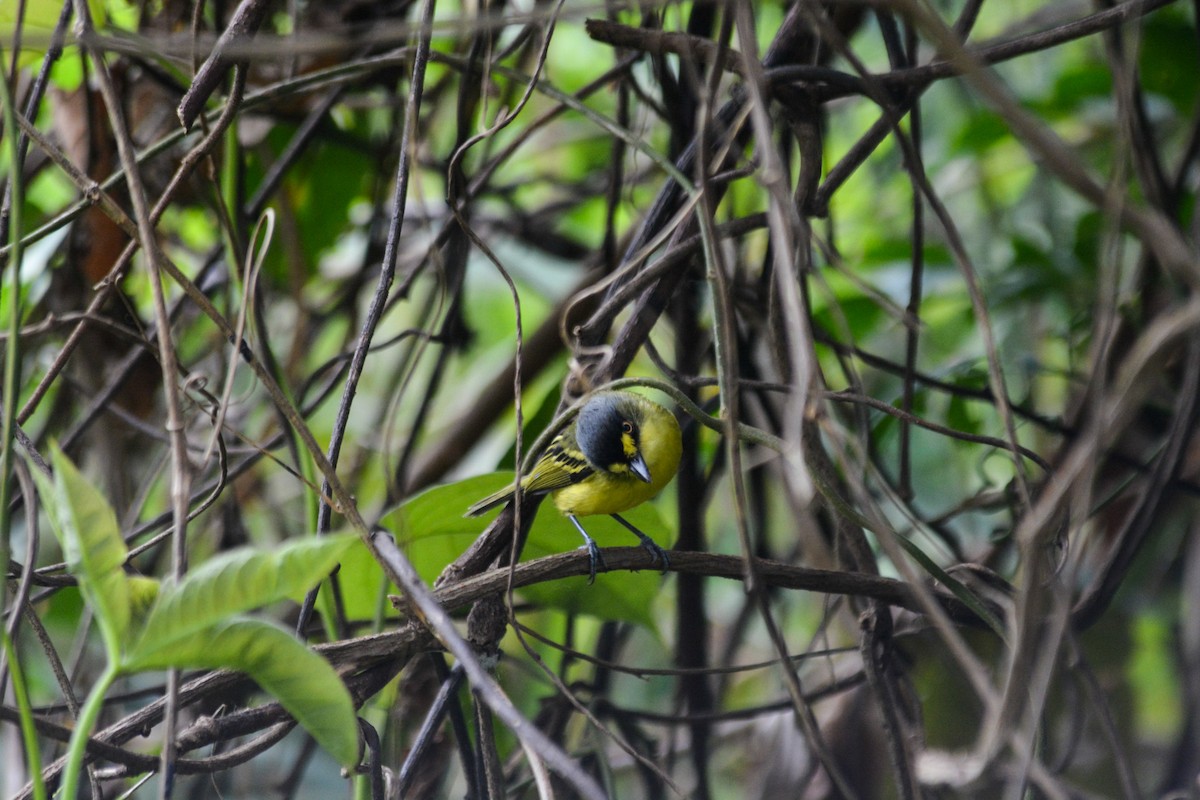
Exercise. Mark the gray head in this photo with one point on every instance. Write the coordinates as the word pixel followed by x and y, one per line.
pixel 608 433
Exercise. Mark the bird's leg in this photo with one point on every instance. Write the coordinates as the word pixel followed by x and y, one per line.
pixel 594 556
pixel 657 554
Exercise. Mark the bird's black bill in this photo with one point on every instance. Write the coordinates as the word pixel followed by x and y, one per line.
pixel 637 465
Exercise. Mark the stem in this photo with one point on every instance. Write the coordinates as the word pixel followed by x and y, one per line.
pixel 28 734
pixel 12 353
pixel 87 720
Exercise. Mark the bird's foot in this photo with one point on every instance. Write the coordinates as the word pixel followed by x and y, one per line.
pixel 595 560
pixel 594 557
pixel 657 554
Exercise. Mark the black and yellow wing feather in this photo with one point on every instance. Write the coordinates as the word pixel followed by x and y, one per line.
pixel 561 465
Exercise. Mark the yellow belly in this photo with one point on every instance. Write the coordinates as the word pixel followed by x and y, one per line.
pixel 603 494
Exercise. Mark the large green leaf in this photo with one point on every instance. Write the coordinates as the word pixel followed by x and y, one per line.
pixel 431 527
pixel 303 682
pixel 87 529
pixel 363 586
pixel 234 582
pixel 434 532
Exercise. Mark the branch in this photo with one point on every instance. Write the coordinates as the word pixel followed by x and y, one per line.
pixel 246 19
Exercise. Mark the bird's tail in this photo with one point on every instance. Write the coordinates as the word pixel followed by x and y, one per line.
pixel 488 503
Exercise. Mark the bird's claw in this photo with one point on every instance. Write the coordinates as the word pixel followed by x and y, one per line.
pixel 657 554
pixel 594 559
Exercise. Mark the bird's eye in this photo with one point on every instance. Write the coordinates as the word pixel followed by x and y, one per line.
pixel 627 426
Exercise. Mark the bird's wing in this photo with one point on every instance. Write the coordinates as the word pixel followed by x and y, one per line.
pixel 557 468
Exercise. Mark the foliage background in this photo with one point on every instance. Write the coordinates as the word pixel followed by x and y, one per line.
pixel 403 210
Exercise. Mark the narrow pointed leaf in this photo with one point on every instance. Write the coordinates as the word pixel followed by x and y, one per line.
pixel 87 529
pixel 303 682
pixel 232 583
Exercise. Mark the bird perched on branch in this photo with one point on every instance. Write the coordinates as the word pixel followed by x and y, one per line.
pixel 616 454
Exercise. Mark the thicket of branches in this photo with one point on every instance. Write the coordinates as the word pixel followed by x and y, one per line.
pixel 920 278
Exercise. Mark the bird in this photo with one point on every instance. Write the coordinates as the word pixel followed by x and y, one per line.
pixel 619 452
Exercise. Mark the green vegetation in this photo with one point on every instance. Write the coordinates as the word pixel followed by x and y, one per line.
pixel 918 283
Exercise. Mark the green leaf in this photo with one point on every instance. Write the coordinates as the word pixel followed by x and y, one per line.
pixel 433 532
pixel 1074 88
pixel 231 583
pixel 190 625
pixel 431 526
pixel 364 587
pixel 302 681
pixel 39 21
pixel 87 529
pixel 983 129
pixel 1168 34
pixel 321 187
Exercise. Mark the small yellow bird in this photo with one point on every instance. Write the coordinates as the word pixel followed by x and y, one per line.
pixel 616 454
